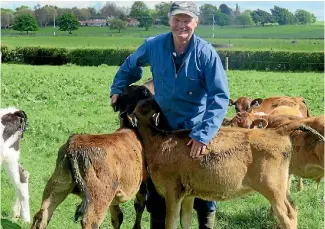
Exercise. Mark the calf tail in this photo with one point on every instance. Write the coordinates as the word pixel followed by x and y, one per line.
pixel 77 177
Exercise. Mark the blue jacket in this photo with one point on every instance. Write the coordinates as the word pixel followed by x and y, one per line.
pixel 196 97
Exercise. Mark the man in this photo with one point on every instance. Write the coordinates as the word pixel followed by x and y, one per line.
pixel 191 89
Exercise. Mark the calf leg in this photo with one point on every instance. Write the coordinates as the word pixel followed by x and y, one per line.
pixel 285 213
pixel 19 179
pixel 100 199
pixel 186 212
pixel 173 208
pixel 139 205
pixel 24 175
pixel 300 184
pixel 56 190
pixel 116 216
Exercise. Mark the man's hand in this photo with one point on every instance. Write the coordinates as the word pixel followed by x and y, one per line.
pixel 114 98
pixel 197 149
pixel 113 101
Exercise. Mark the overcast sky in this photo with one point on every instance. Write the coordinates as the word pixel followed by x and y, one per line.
pixel 315 7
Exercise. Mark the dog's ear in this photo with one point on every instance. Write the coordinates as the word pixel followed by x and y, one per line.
pixel 21 114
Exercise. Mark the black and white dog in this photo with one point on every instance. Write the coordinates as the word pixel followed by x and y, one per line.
pixel 13 123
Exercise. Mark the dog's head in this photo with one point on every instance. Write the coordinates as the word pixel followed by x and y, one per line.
pixel 12 121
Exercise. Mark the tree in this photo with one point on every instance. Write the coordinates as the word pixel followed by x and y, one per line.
pixel 25 22
pixel 138 8
pixel 68 22
pixel 304 17
pixel 7 17
pixel 206 13
pixel 262 17
pixel 244 19
pixel 145 21
pixel 93 12
pixel 222 19
pixel 110 9
pixel 45 15
pixel 237 11
pixel 23 10
pixel 162 10
pixel 140 11
pixel 118 24
pixel 226 10
pixel 283 16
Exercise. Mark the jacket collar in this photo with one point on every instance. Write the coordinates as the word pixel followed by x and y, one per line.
pixel 169 45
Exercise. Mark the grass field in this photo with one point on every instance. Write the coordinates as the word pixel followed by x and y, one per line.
pixel 61 100
pixel 309 37
pixel 127 42
pixel 313 31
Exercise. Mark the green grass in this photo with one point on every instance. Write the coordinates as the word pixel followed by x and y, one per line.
pixel 309 37
pixel 126 42
pixel 61 100
pixel 281 32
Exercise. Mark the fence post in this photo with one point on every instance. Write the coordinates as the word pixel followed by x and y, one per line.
pixel 226 63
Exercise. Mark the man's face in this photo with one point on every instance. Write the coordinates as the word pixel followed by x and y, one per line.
pixel 182 26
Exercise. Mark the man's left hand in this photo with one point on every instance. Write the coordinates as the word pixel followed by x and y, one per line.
pixel 197 149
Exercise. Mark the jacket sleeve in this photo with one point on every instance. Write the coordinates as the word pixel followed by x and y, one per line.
pixel 131 70
pixel 217 99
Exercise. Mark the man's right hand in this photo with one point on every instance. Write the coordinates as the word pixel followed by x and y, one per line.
pixel 114 100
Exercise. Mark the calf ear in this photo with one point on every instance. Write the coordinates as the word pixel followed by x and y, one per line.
pixel 133 121
pixel 259 123
pixel 256 102
pixel 231 102
pixel 155 117
pixel 226 122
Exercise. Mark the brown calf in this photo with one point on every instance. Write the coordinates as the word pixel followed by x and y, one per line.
pixel 237 161
pixel 105 170
pixel 268 104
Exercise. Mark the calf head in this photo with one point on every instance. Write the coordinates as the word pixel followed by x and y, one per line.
pixel 127 101
pixel 245 120
pixel 147 112
pixel 245 103
pixel 12 121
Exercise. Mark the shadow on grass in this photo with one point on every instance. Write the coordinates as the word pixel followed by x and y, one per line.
pixel 7 224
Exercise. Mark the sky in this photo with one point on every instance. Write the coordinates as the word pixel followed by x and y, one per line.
pixel 315 7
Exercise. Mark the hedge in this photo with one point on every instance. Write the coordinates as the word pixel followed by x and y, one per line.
pixel 243 60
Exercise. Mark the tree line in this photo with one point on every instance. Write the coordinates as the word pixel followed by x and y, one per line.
pixel 24 18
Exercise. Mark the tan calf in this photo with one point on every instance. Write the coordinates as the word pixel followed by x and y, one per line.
pixel 308 157
pixel 237 161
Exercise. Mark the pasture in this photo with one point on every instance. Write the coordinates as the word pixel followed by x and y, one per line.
pixel 307 37
pixel 313 31
pixel 127 42
pixel 61 100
